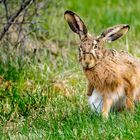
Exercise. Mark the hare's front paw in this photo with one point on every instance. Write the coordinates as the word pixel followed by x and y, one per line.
pixel 130 104
pixel 105 115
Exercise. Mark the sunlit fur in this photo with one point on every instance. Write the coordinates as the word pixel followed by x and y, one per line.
pixel 114 75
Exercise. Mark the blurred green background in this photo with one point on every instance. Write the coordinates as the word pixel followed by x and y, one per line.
pixel 43 94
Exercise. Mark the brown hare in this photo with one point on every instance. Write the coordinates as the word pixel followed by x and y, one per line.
pixel 113 77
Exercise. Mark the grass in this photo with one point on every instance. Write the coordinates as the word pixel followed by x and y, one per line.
pixel 47 99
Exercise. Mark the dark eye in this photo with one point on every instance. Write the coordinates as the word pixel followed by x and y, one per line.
pixel 95 47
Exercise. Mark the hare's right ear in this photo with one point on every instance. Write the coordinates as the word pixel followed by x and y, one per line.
pixel 113 33
pixel 76 24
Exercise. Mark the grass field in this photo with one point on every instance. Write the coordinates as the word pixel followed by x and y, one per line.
pixel 47 99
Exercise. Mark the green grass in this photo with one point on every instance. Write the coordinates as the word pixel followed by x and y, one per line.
pixel 47 99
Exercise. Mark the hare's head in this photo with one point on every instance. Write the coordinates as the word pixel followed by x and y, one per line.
pixel 91 48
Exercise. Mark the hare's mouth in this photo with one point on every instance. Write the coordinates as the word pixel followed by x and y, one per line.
pixel 88 68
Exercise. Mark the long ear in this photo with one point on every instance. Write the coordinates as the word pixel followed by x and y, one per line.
pixel 114 32
pixel 75 23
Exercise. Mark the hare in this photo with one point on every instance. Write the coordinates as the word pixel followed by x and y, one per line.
pixel 113 77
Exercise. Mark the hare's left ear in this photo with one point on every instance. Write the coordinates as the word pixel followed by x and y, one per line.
pixel 114 32
pixel 76 24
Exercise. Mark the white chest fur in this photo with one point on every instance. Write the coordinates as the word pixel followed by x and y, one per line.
pixel 95 101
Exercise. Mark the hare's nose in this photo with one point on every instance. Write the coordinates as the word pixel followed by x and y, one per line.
pixel 86 63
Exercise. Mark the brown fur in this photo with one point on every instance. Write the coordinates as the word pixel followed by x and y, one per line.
pixel 108 71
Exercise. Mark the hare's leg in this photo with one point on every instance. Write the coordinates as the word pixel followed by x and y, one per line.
pixel 130 103
pixel 129 99
pixel 90 89
pixel 107 103
pixel 138 98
